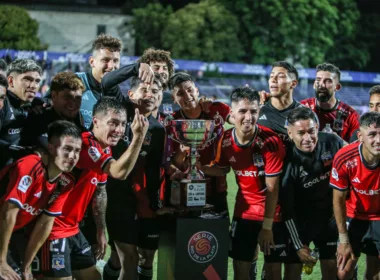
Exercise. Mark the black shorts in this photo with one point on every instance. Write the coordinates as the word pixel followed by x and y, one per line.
pixel 88 227
pixel 148 233
pixel 60 257
pixel 364 236
pixel 244 234
pixel 323 233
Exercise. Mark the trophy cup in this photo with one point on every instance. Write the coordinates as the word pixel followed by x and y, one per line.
pixel 190 192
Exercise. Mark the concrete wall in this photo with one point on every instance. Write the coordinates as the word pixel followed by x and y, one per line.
pixel 67 31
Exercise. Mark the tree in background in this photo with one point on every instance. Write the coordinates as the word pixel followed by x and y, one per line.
pixel 149 23
pixel 300 30
pixel 18 30
pixel 205 31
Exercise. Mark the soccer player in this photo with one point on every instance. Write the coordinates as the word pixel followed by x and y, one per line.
pixel 355 178
pixel 343 119
pixel 32 186
pixel 374 106
pixel 282 81
pixel 146 174
pixel 24 76
pixel 66 91
pixel 3 91
pixel 305 196
pixel 256 154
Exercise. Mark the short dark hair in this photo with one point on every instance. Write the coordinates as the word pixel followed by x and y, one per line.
pixel 179 78
pixel 329 68
pixel 3 65
pixel 370 118
pixel 23 65
pixel 62 128
pixel 245 93
pixel 104 41
pixel 66 80
pixel 3 81
pixel 374 90
pixel 288 66
pixel 108 103
pixel 300 113
pixel 136 81
pixel 152 55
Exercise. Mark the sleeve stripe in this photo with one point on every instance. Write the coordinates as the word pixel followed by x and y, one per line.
pixel 53 214
pixel 15 202
pixel 273 174
pixel 338 188
pixel 106 161
pixel 294 234
pixel 342 158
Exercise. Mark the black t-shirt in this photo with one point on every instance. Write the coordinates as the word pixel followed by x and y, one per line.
pixel 276 119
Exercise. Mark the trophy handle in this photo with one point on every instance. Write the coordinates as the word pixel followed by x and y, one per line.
pixel 168 120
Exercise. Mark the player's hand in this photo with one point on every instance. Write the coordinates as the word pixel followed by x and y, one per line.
pixel 139 125
pixel 205 103
pixel 266 241
pixel 26 273
pixel 264 96
pixel 100 248
pixel 7 272
pixel 146 73
pixel 165 210
pixel 305 257
pixel 344 254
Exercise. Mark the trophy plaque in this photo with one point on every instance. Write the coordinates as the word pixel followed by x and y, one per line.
pixel 190 192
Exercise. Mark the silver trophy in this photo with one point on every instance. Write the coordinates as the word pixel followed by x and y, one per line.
pixel 195 134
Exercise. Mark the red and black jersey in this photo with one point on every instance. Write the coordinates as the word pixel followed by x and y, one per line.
pixel 25 184
pixel 89 170
pixel 351 173
pixel 251 163
pixel 343 119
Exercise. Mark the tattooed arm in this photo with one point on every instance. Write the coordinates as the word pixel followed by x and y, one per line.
pixel 99 206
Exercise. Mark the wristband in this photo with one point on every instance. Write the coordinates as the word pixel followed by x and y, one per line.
pixel 267 223
pixel 343 238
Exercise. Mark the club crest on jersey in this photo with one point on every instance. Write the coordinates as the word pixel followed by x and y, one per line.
pixel 58 263
pixel 148 138
pixel 226 142
pixel 25 183
pixel 327 158
pixel 334 174
pixel 94 154
pixel 258 160
pixel 259 142
pixel 64 180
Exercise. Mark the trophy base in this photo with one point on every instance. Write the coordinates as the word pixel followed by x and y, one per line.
pixel 189 194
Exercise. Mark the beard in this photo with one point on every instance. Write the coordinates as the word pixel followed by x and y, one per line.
pixel 324 97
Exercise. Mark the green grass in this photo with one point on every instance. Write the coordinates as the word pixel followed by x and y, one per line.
pixel 232 189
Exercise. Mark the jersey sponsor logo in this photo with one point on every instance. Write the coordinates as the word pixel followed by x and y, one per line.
pixel 356 180
pixel 86 112
pixel 259 142
pixel 226 142
pixel 25 183
pixel 94 181
pixel 94 154
pixel 283 254
pixel 38 194
pixel 335 174
pixel 317 180
pixel 352 163
pixel 31 210
pixel 232 159
pixel 58 263
pixel 263 117
pixel 327 158
pixel 247 173
pixel 202 247
pixel 155 236
pixel 258 160
pixel 303 173
pixel 367 192
pixel 13 131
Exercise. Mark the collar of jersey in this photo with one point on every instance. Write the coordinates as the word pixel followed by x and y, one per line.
pixel 360 147
pixel 250 142
pixel 14 99
pixel 327 110
pixel 291 107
